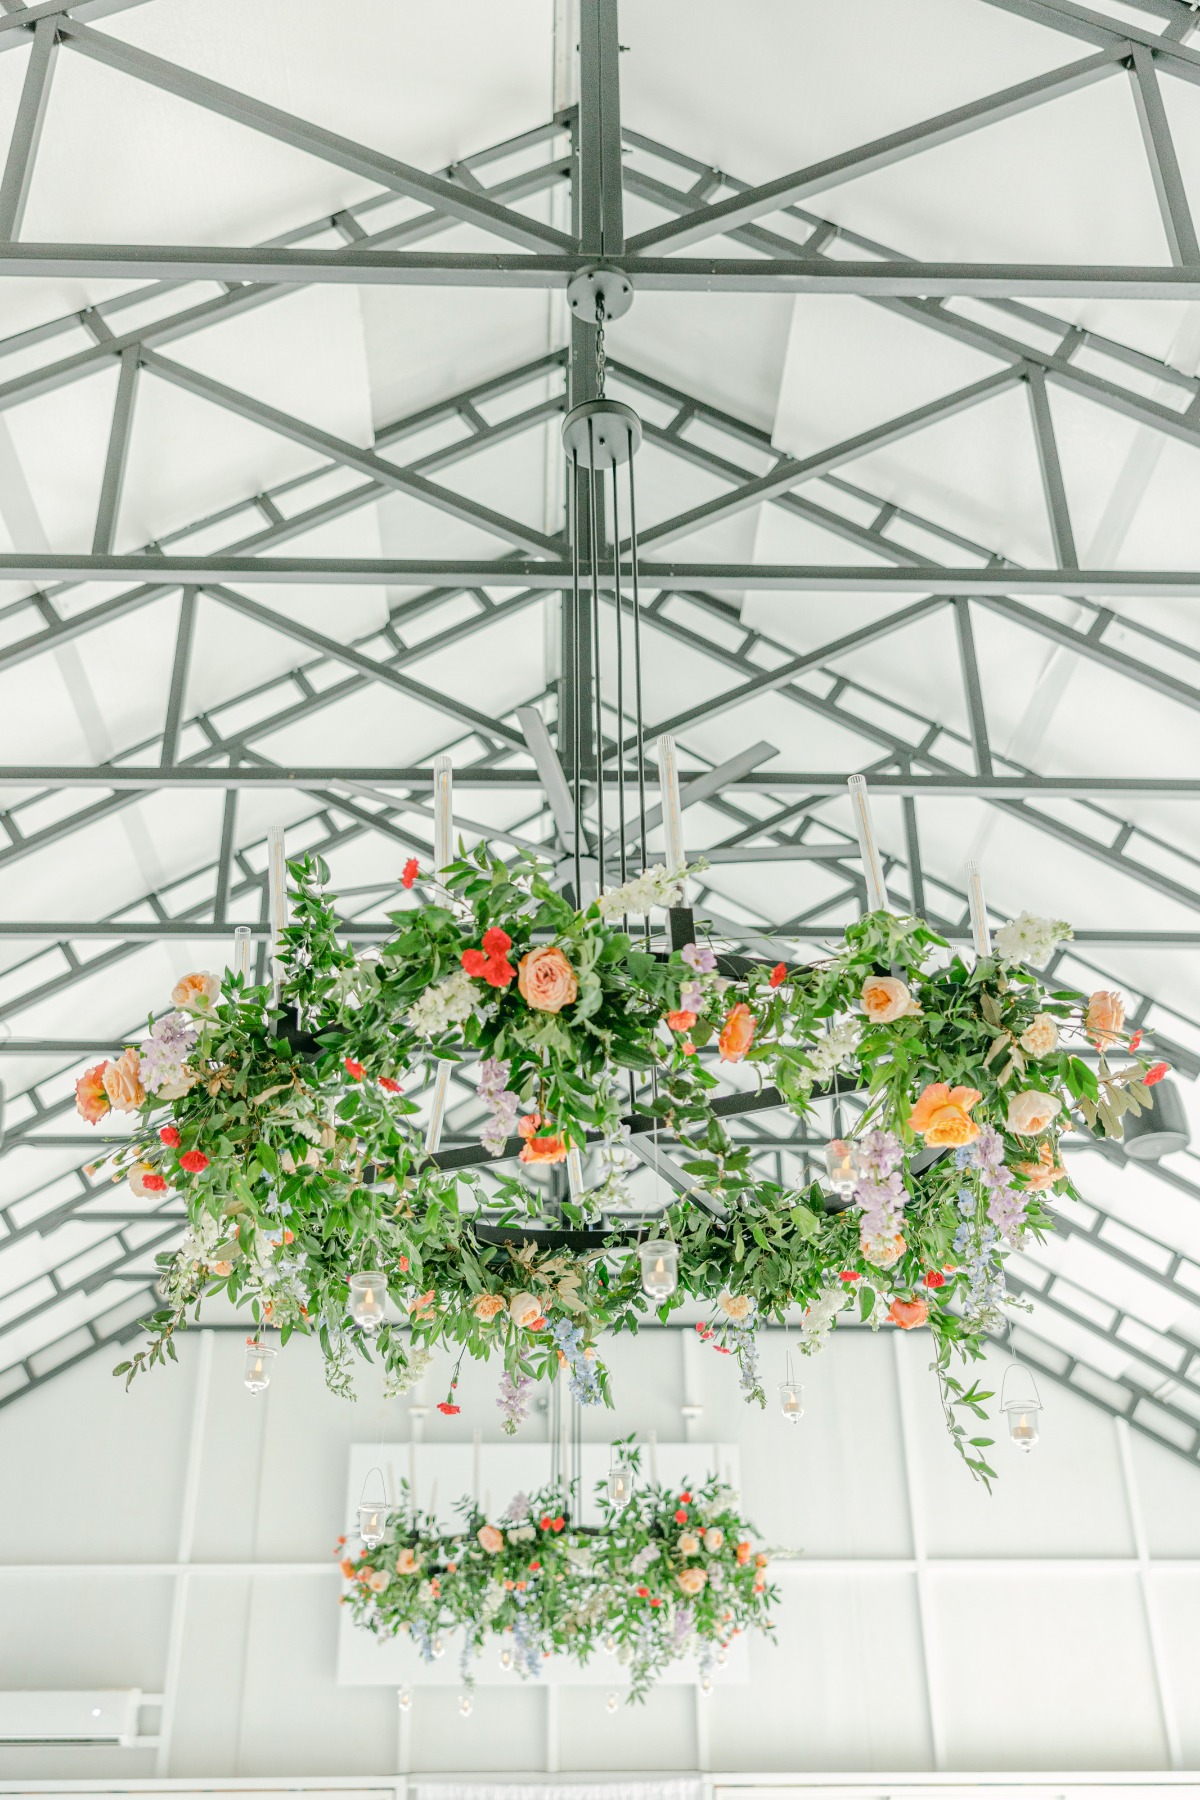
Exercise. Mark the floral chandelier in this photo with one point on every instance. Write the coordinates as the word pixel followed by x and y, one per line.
pixel 282 1113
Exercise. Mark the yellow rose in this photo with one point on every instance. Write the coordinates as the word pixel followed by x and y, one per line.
pixel 1040 1036
pixel 1030 1112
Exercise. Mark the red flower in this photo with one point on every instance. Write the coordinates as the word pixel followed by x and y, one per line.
pixel 412 869
pixel 404 1262
pixel 545 1522
pixel 1136 1039
pixel 935 1278
pixel 448 1407
pixel 685 1499
pixel 534 1566
pixel 558 1523
pixel 389 1086
pixel 849 1275
pixel 643 1593
pixel 353 1069
pixel 474 962
pixel 537 1324
pixel 496 972
pixel 154 1184
pixel 778 975
pixel 193 1161
pixel 497 942
pixel 170 1137
pixel 654 1600
pixel 681 1021
pixel 681 1516
pixel 1156 1073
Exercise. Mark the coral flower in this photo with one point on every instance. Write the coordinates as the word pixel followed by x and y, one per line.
pixel 681 1021
pixel 935 1279
pixel 681 1516
pixel 197 991
pixel 778 975
pixel 144 1179
pixel 1155 1074
pixel 448 1407
pixel 194 1161
pixel 1045 1172
pixel 170 1137
pixel 543 1150
pixel 347 1568
pixel 737 1033
pixel 491 1539
pixel 1104 1018
pixel 389 1086
pixel 353 1069
pixel 546 981
pixel 941 1114
pixel 412 869
pixel 886 998
pixel 91 1101
pixel 123 1081
pixel 908 1313
pixel 743 1551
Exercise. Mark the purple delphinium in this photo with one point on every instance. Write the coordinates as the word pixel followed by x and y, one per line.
pixel 502 1103
pixel 513 1401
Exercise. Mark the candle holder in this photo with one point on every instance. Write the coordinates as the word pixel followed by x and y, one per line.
pixel 368 1295
pixel 1022 1403
pixel 660 1268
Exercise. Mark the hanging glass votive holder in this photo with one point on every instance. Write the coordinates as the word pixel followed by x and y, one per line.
pixel 791 1401
pixel 620 1482
pixel 841 1172
pixel 1022 1404
pixel 372 1520
pixel 368 1296
pixel 259 1357
pixel 660 1267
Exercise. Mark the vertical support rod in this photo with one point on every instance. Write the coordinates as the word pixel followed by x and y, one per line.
pixel 443 852
pixel 601 224
pixel 864 829
pixel 981 937
pixel 116 461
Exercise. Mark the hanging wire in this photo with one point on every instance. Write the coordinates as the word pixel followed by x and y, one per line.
pixel 638 712
pixel 620 603
pixel 594 552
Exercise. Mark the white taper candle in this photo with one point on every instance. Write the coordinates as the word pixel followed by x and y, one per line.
pixel 980 935
pixel 672 811
pixel 872 866
pixel 443 851
pixel 241 951
pixel 277 900
pixel 575 1172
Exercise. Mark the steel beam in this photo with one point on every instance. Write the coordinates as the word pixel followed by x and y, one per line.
pixel 1173 203
pixel 27 129
pixel 456 199
pixel 109 507
pixel 601 222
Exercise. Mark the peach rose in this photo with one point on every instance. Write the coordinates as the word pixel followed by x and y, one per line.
pixel 377 1580
pixel 1040 1036
pixel 523 1309
pixel 908 1313
pixel 543 1150
pixel 91 1097
pixel 491 1539
pixel 1030 1112
pixel 223 1269
pixel 689 1544
pixel 545 980
pixel 737 1033
pixel 486 1306
pixel 743 1551
pixel 882 1250
pixel 737 1307
pixel 408 1563
pixel 197 991
pixel 941 1114
pixel 691 1581
pixel 1105 1017
pixel 886 998
pixel 714 1537
pixel 1046 1172
pixel 123 1081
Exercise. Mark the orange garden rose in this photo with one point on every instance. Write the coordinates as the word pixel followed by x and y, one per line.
pixel 737 1033
pixel 123 1081
pixel 543 1150
pixel 886 998
pixel 941 1114
pixel 486 1306
pixel 1105 1017
pixel 681 1021
pixel 546 981
pixel 91 1099
pixel 691 1581
pixel 1030 1113
pixel 908 1313
pixel 1046 1172
pixel 198 991
pixel 743 1551
pixel 490 1538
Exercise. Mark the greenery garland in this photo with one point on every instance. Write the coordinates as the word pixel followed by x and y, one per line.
pixel 298 1158
pixel 666 1575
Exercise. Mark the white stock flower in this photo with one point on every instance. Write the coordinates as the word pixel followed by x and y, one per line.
pixel 451 1002
pixel 1030 939
pixel 653 887
pixel 818 1320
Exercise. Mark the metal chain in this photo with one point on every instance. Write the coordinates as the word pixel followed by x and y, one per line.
pixel 600 359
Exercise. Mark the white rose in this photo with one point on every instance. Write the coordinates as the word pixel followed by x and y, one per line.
pixel 523 1309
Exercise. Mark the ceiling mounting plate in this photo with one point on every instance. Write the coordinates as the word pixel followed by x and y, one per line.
pixel 601 433
pixel 610 289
